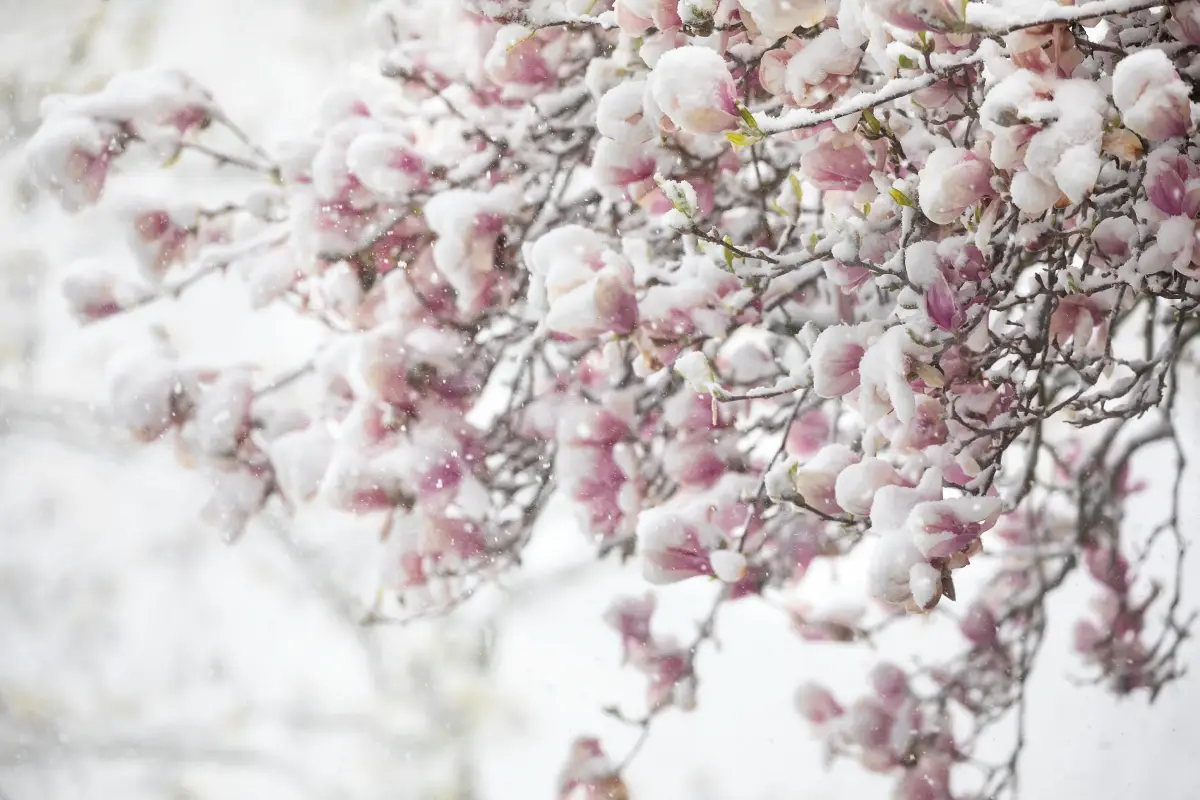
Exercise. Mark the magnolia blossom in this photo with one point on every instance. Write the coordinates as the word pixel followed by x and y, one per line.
pixel 815 479
pixel 93 293
pixel 149 393
pixel 920 15
pixel 952 180
pixel 71 157
pixel 836 164
pixel 621 115
pixel 589 289
pixel 636 16
pixel 386 164
pixel 693 88
pixel 837 357
pixel 887 370
pixel 923 535
pixel 1172 183
pixel 857 484
pixel 516 59
pixel 1152 98
pixel 681 539
pixel 1185 22
pixel 777 18
pixel 820 69
pixel 162 238
pixel 467 225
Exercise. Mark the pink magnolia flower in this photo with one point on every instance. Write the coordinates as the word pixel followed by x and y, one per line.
pixel 594 468
pixel 516 60
pixel 625 169
pixel 635 17
pixel 952 180
pixel 1152 98
pixel 386 164
pixel 1172 183
pixel 93 293
pixel 693 88
pixel 837 357
pixel 919 15
pixel 673 548
pixel 239 492
pixel 604 303
pixel 772 68
pixel 588 288
pixel 467 224
pixel 672 681
pixel 681 538
pixel 1114 236
pixel 808 433
pixel 149 393
pixel 1185 22
pixel 630 617
pixel 924 535
pixel 1079 318
pixel 858 484
pixel 161 239
pixel 817 704
pixel 837 164
pixel 820 70
pixel 621 114
pixel 71 157
pixel 979 626
pixel 777 18
pixel 945 528
pixel 815 479
pixel 220 418
pixel 886 372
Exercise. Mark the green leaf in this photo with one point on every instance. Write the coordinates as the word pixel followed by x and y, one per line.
pixel 797 190
pixel 906 62
pixel 901 198
pixel 747 117
pixel 923 39
pixel 728 254
pixel 738 139
pixel 872 121
pixel 866 209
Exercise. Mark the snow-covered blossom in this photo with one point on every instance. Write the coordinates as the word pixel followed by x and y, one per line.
pixel 952 180
pixel 837 358
pixel 1152 98
pixel 837 164
pixel 922 536
pixel 71 157
pixel 920 15
pixel 693 88
pixel 777 18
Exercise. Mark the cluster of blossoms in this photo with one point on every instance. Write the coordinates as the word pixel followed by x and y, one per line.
pixel 752 283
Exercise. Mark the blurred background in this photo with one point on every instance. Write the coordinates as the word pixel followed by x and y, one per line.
pixel 141 656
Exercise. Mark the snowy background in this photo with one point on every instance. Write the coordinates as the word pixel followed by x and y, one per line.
pixel 142 657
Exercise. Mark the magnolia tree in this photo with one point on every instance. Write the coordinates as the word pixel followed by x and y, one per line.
pixel 754 284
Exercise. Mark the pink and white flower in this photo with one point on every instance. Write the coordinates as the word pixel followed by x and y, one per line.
pixel 1152 98
pixel 692 86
